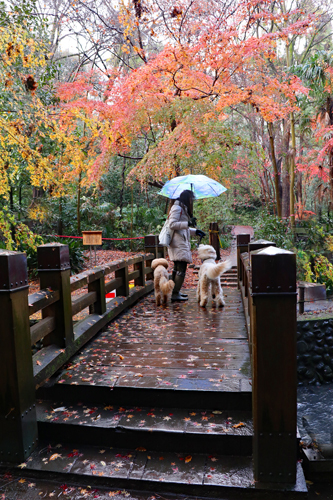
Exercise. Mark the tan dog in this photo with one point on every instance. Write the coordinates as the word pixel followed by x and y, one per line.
pixel 163 286
pixel 209 276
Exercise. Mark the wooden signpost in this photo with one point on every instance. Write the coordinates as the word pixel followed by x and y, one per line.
pixel 92 238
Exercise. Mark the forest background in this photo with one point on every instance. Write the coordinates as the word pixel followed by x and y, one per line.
pixel 102 102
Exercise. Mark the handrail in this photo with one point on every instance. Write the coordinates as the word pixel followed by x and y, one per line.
pixel 41 299
pixel 62 335
pixel 94 279
pixel 267 282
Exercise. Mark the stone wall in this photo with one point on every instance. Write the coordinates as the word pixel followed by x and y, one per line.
pixel 315 351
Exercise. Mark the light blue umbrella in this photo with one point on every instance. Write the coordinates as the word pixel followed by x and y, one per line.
pixel 201 185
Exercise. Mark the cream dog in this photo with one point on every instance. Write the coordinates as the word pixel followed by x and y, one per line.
pixel 209 276
pixel 163 286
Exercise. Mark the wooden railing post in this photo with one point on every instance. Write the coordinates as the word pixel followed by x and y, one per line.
pixel 274 365
pixel 141 280
pixel 214 238
pixel 149 276
pixel 18 424
pixel 152 246
pixel 243 240
pixel 123 290
pixel 54 272
pixel 98 286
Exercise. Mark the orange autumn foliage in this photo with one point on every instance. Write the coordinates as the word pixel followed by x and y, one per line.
pixel 210 61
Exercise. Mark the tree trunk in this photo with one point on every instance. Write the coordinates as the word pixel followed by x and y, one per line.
pixel 20 202
pixel 285 170
pixel 299 178
pixel 292 170
pixel 121 201
pixel 60 217
pixel 285 189
pixel 78 206
pixel 276 173
pixel 11 204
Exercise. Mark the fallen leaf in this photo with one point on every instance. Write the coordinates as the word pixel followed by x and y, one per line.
pixel 188 459
pixel 54 456
pixel 241 424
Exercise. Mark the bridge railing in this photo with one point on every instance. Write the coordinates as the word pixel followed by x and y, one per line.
pixel 20 371
pixel 267 280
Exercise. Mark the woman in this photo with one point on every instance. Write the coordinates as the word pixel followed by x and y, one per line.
pixel 180 220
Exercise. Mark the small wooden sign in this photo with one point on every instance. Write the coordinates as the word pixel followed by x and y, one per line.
pixel 92 238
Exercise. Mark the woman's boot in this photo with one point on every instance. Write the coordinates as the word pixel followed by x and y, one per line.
pixel 179 280
pixel 173 277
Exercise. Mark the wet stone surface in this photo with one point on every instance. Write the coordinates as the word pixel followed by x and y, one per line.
pixel 315 351
pixel 315 414
pixel 182 346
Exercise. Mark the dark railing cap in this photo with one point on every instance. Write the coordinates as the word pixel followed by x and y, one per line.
pixel 53 257
pixel 270 250
pixel 243 239
pixel 262 242
pixel 13 270
pixel 273 271
pixel 52 244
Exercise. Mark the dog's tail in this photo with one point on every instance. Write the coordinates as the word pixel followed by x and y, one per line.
pixel 166 286
pixel 214 272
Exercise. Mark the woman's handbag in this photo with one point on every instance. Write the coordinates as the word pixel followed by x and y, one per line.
pixel 166 234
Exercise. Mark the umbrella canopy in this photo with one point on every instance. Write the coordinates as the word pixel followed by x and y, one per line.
pixel 201 185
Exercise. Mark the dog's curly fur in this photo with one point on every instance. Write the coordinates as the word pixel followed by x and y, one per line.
pixel 209 276
pixel 163 286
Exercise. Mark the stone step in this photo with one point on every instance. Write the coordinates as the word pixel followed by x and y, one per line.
pixel 204 475
pixel 169 429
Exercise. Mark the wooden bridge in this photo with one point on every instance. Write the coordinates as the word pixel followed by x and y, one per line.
pixel 178 399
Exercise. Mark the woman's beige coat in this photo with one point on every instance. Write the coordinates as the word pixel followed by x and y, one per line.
pixel 180 246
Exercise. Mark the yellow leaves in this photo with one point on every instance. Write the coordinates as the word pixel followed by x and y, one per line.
pixel 240 424
pixel 54 456
pixel 188 459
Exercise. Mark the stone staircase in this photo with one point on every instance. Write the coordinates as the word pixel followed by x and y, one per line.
pixel 228 279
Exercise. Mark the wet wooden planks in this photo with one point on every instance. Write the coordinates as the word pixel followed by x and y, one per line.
pixel 179 347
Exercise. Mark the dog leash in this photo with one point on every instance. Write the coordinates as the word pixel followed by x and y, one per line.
pixel 218 233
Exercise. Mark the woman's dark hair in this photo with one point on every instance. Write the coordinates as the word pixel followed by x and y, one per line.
pixel 185 198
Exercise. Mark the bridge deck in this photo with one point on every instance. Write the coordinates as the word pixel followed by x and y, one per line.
pixel 179 347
